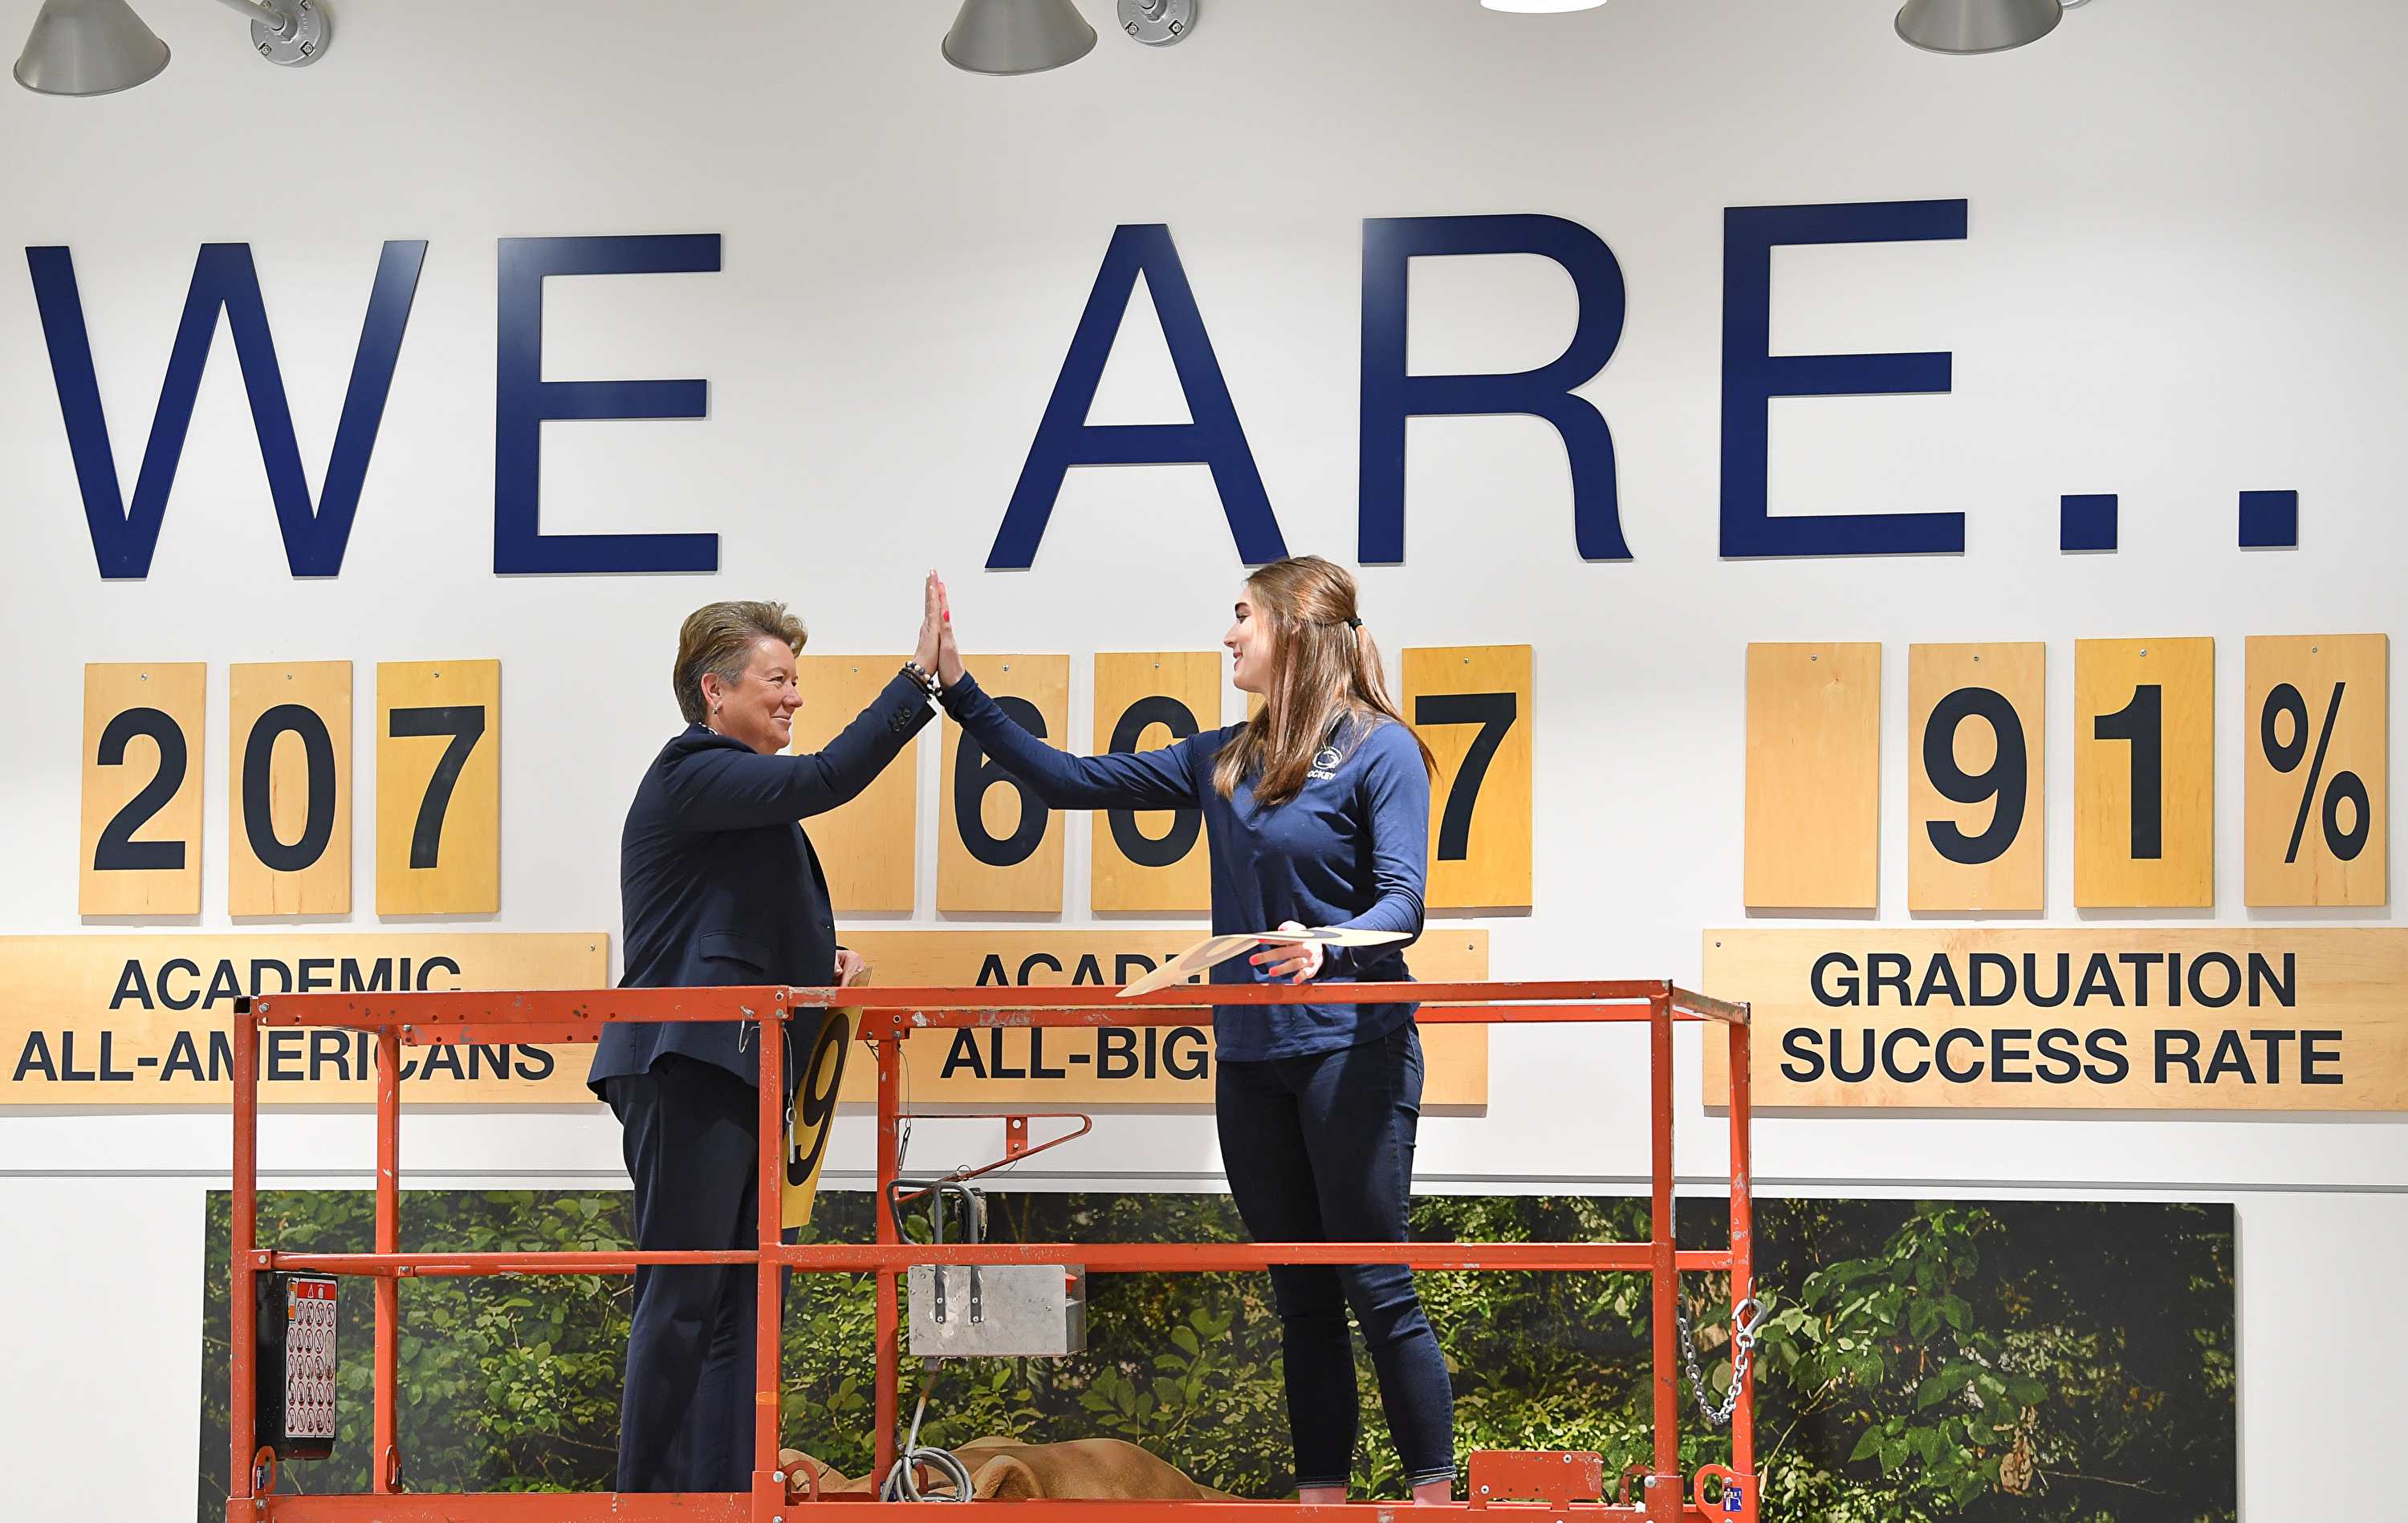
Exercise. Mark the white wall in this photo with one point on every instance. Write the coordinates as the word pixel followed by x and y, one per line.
pixel 2180 283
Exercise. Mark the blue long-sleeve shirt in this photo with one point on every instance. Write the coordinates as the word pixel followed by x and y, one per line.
pixel 1350 850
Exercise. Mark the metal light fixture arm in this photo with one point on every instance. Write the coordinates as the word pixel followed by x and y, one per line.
pixel 288 32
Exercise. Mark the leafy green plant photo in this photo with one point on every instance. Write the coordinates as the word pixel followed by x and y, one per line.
pixel 2050 1362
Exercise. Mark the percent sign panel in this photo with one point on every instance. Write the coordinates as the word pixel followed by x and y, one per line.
pixel 141 838
pixel 1472 705
pixel 869 847
pixel 1974 836
pixel 290 789
pixel 439 786
pixel 2144 774
pixel 1813 775
pixel 2318 745
pixel 998 848
pixel 1153 860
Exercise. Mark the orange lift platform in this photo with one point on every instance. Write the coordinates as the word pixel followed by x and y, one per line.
pixel 1559 1487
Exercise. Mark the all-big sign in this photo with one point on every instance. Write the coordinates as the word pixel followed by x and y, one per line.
pixel 2111 1018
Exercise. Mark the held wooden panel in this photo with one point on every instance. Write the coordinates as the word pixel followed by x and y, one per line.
pixel 1007 855
pixel 289 785
pixel 1473 706
pixel 2145 834
pixel 870 848
pixel 2317 805
pixel 1813 775
pixel 439 809
pixel 150 714
pixel 1992 737
pixel 1137 691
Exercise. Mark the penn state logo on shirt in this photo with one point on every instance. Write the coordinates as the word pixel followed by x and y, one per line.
pixel 1325 763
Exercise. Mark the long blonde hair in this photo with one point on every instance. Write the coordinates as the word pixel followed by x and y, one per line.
pixel 1326 679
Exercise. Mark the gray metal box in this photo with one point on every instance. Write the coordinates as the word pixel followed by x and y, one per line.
pixel 1023 1309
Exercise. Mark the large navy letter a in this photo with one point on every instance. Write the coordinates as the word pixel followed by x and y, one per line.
pixel 1066 438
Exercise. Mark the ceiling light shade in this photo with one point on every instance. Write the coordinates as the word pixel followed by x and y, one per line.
pixel 1977 26
pixel 88 47
pixel 1017 36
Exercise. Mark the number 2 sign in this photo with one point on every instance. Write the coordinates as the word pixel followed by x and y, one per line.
pixel 1471 707
pixel 141 844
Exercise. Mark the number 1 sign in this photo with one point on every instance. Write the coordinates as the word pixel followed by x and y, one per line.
pixel 1471 707
pixel 2143 773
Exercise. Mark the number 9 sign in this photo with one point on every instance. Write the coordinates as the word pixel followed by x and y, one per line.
pixel 1974 836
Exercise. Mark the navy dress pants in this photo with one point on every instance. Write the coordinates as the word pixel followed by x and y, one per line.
pixel 691 1133
pixel 1320 1149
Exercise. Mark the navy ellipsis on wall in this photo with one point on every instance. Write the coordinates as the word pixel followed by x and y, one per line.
pixel 525 401
pixel 1065 437
pixel 1390 397
pixel 1753 376
pixel 224 275
pixel 2269 520
pixel 2085 522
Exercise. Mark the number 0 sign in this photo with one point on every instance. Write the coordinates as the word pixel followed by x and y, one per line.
pixel 1471 707
pixel 1153 860
pixel 998 848
pixel 290 788
pixel 438 787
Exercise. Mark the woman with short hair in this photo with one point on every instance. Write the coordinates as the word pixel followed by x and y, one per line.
pixel 718 885
pixel 1317 812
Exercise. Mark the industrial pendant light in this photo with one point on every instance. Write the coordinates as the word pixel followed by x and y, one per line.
pixel 1017 36
pixel 88 47
pixel 100 47
pixel 1977 26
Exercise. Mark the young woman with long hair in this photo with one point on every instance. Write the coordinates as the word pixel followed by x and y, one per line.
pixel 1317 814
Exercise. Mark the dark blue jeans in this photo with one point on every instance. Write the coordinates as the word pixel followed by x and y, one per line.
pixel 1320 1149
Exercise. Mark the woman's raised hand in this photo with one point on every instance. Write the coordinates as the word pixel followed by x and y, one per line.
pixel 931 625
pixel 949 655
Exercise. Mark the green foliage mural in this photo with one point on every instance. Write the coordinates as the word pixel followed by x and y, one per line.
pixel 2039 1362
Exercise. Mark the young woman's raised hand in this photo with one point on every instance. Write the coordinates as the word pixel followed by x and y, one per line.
pixel 932 623
pixel 949 655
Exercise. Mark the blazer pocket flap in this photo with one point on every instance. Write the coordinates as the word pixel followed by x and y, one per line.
pixel 729 947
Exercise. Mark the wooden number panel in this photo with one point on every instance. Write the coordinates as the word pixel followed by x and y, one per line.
pixel 2144 774
pixel 438 806
pixel 1973 750
pixel 997 847
pixel 1472 705
pixel 2316 734
pixel 1153 860
pixel 869 849
pixel 1813 775
pixel 141 840
pixel 290 784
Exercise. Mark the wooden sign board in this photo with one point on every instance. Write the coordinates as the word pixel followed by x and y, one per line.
pixel 1813 775
pixel 2224 1017
pixel 999 1068
pixel 1152 861
pixel 289 784
pixel 439 781
pixel 999 849
pixel 2318 770
pixel 1974 836
pixel 140 844
pixel 141 1020
pixel 2144 774
pixel 869 847
pixel 1472 705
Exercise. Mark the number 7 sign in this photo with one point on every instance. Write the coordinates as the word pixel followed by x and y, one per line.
pixel 1471 707
pixel 438 787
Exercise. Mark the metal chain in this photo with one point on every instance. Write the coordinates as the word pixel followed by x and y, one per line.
pixel 1746 1318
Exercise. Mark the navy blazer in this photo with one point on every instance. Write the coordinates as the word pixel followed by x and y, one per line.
pixel 719 885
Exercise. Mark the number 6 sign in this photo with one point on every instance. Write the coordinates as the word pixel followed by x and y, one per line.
pixel 998 848
pixel 1471 707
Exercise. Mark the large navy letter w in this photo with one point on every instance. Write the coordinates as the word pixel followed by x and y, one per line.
pixel 223 276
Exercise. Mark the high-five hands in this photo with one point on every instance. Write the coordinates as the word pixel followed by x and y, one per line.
pixel 1296 962
pixel 949 655
pixel 932 625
